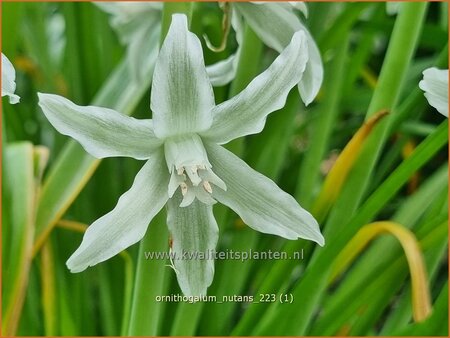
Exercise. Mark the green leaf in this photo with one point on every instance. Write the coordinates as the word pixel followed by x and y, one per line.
pixel 23 169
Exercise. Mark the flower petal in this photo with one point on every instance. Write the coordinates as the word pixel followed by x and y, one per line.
pixel 101 131
pixel 301 6
pixel 435 86
pixel 8 80
pixel 194 232
pixel 246 113
pixel 260 203
pixel 275 24
pixel 127 223
pixel 222 72
pixel 312 78
pixel 138 27
pixel 126 11
pixel 182 96
pixel 129 18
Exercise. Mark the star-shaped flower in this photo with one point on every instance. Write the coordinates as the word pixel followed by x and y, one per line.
pixel 275 24
pixel 9 80
pixel 185 165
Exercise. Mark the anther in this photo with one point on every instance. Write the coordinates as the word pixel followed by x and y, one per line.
pixel 207 186
pixel 184 188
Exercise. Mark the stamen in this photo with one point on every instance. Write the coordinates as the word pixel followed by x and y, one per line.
pixel 190 170
pixel 207 186
pixel 184 188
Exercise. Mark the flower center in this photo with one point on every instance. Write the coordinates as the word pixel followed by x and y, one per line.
pixel 190 170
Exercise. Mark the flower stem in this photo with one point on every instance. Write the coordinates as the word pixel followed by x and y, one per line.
pixel 149 281
pixel 248 65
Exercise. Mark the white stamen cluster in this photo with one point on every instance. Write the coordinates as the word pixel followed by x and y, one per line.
pixel 190 170
pixel 194 182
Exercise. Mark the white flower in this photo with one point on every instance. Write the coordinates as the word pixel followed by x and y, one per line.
pixel 138 25
pixel 275 24
pixel 185 165
pixel 8 80
pixel 435 86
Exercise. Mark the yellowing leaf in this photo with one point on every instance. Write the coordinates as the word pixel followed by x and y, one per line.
pixel 420 291
pixel 342 167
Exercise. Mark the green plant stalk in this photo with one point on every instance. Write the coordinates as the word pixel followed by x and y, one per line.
pixel 382 300
pixel 48 290
pixel 30 320
pixel 433 229
pixel 443 16
pixel 11 19
pixel 74 58
pixel 93 57
pixel 108 317
pixel 386 281
pixel 389 161
pixel 398 57
pixel 276 137
pixel 282 268
pixel 401 315
pixel 149 278
pixel 412 106
pixel 186 319
pixel 385 192
pixel 421 155
pixel 331 38
pixel 339 313
pixel 360 57
pixel 248 66
pixel 434 256
pixel 20 186
pixel 25 165
pixel 434 323
pixel 327 114
pixel 318 13
pixel 35 25
pixel 415 102
pixel 69 323
pixel 128 286
pixel 414 128
pixel 313 285
pixel 410 213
